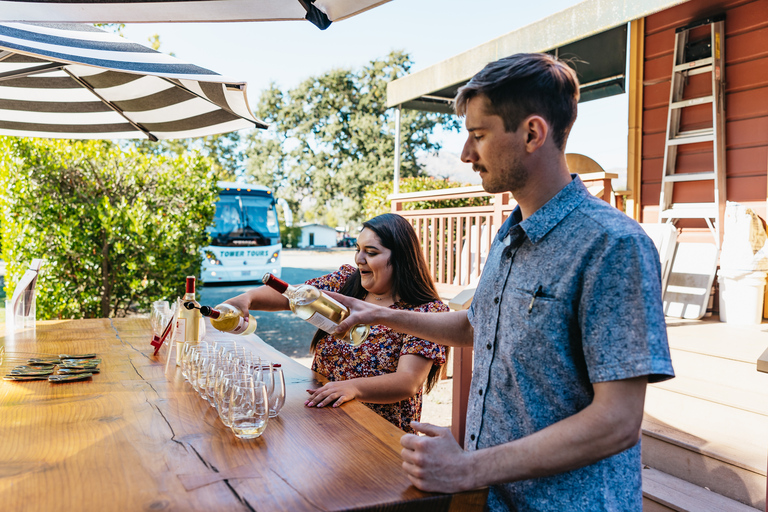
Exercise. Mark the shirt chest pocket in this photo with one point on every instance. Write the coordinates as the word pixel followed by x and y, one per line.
pixel 536 311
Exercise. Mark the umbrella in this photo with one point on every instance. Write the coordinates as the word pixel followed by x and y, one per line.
pixel 319 12
pixel 79 82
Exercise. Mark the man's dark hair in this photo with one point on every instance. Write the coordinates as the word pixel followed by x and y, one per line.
pixel 525 84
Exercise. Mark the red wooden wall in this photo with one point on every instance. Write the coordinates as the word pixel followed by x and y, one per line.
pixel 746 104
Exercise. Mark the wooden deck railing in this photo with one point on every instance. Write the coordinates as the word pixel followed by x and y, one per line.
pixel 455 243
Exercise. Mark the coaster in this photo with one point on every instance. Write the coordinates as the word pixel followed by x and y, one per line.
pixel 69 378
pixel 76 356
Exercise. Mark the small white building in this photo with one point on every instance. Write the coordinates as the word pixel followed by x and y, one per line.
pixel 317 235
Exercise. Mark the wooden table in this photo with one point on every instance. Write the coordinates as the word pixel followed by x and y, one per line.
pixel 137 438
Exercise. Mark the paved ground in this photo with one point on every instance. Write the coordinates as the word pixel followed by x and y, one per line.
pixel 283 330
pixel 292 336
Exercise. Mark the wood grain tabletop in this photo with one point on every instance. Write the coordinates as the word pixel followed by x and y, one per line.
pixel 135 437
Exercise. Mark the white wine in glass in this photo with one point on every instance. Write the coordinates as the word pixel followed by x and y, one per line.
pixel 248 408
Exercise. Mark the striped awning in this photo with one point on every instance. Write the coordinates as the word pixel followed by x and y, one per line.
pixel 72 81
pixel 319 12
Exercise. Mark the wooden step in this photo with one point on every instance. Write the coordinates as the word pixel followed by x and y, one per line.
pixel 712 337
pixel 706 443
pixel 663 493
pixel 700 362
pixel 738 397
pixel 726 381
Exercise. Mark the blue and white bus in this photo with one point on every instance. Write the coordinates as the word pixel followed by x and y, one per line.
pixel 245 239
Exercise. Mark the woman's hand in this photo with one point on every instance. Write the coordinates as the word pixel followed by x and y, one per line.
pixel 335 393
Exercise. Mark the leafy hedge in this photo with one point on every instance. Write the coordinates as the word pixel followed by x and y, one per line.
pixel 118 229
pixel 375 198
pixel 290 236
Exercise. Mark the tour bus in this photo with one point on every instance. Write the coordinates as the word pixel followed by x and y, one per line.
pixel 245 237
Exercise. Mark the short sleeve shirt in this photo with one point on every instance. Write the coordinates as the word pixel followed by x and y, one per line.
pixel 379 354
pixel 569 297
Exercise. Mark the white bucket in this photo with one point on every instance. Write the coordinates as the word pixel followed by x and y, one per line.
pixel 741 296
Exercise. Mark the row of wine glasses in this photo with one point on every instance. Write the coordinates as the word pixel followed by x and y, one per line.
pixel 244 389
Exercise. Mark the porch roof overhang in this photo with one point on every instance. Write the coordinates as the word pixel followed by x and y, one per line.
pixel 593 33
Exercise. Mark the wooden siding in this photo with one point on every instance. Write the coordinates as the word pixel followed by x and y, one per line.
pixel 746 108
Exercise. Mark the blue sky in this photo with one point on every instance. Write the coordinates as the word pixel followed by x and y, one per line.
pixel 287 52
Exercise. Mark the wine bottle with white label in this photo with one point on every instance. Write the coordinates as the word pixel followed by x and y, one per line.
pixel 226 318
pixel 317 308
pixel 188 323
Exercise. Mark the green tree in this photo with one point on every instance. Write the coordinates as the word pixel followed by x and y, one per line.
pixel 117 228
pixel 375 199
pixel 332 136
pixel 224 152
pixel 290 236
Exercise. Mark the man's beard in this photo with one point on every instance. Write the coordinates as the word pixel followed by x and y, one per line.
pixel 511 179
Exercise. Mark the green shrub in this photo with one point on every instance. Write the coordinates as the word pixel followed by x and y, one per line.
pixel 290 236
pixel 118 229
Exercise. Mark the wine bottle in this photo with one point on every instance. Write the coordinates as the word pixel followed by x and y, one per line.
pixel 188 323
pixel 317 308
pixel 226 318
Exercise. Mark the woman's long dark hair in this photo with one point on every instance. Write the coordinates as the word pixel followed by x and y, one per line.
pixel 411 281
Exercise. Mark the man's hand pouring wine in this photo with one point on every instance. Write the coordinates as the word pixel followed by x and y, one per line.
pixel 361 312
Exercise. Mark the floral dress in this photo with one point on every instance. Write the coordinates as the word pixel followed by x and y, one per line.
pixel 377 355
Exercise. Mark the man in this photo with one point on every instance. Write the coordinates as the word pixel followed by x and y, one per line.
pixel 566 323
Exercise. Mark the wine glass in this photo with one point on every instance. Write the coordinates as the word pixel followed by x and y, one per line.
pixel 207 380
pixel 224 396
pixel 276 390
pixel 158 315
pixel 189 354
pixel 248 408
pixel 198 371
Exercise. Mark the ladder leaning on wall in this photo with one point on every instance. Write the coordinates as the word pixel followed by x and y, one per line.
pixel 695 265
pixel 694 58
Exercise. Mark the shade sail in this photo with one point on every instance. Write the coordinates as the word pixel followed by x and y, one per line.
pixel 319 12
pixel 79 82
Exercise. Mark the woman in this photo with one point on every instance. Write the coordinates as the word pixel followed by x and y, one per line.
pixel 387 371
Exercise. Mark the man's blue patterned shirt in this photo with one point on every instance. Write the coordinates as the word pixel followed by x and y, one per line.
pixel 569 297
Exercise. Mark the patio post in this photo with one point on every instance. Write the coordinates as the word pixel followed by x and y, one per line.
pixel 397 149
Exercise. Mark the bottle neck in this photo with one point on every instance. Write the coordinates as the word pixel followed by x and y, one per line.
pixel 190 288
pixel 276 283
pixel 209 311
